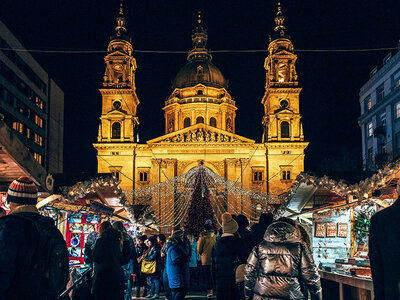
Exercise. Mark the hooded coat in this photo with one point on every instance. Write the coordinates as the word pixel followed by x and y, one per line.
pixel 276 267
pixel 107 271
pixel 177 264
pixel 205 246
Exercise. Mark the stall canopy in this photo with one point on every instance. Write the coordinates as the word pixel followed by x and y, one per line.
pixel 311 192
pixel 90 192
pixel 16 160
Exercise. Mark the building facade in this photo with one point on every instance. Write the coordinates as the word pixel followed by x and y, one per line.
pixel 380 114
pixel 200 123
pixel 31 103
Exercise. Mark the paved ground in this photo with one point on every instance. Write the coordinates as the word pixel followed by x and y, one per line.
pixel 191 296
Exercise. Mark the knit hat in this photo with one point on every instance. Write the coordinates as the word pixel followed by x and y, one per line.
pixel 229 225
pixel 22 191
pixel 242 221
pixel 178 234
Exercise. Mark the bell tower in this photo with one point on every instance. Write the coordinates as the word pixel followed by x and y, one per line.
pixel 118 121
pixel 282 120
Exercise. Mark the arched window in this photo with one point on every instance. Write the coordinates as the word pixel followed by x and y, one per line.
pixel 116 130
pixel 199 120
pixel 213 122
pixel 285 130
pixel 186 122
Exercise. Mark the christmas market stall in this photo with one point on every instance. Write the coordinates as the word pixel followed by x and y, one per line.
pixel 337 214
pixel 78 205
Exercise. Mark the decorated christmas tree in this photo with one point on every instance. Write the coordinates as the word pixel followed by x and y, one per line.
pixel 200 209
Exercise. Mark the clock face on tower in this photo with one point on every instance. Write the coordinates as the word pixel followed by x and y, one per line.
pixel 284 103
pixel 117 104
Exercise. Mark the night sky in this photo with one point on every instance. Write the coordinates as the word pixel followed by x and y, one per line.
pixel 329 102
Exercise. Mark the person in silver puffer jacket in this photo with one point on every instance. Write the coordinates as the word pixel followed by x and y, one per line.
pixel 276 267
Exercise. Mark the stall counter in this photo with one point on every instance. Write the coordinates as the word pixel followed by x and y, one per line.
pixel 338 286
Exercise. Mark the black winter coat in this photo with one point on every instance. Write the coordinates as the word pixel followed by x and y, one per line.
pixel 384 245
pixel 107 271
pixel 247 238
pixel 16 243
pixel 277 265
pixel 155 255
pixel 229 251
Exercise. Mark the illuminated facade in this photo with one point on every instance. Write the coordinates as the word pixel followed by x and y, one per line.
pixel 200 123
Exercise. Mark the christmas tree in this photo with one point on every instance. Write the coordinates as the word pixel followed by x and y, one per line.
pixel 200 209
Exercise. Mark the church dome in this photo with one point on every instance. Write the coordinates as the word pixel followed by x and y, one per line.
pixel 200 71
pixel 199 68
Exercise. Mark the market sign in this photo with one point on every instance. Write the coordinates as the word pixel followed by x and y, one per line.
pixel 320 230
pixel 331 229
pixel 342 229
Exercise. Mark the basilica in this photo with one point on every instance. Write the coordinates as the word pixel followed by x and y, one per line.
pixel 200 122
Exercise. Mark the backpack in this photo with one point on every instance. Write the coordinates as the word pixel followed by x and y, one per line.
pixel 45 268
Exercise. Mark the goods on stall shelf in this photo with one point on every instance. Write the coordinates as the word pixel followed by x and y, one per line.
pixel 79 225
pixel 332 236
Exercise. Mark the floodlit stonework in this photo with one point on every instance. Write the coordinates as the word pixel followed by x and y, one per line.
pixel 200 123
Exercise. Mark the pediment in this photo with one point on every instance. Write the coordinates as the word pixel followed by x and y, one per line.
pixel 117 112
pixel 117 54
pixel 201 133
pixel 284 53
pixel 283 111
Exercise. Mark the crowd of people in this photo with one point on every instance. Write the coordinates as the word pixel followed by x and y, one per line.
pixel 270 259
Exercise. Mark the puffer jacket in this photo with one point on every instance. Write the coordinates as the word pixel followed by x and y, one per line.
pixel 205 246
pixel 277 265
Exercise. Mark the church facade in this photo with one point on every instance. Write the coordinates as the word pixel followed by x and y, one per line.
pixel 200 122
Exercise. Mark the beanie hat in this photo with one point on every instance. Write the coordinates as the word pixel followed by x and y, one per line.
pixel 208 222
pixel 178 234
pixel 229 225
pixel 22 191
pixel 242 221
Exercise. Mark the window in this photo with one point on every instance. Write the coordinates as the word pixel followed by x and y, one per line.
pixel 199 120
pixel 380 93
pixel 28 133
pixel 397 110
pixel 38 139
pixel 213 122
pixel 367 104
pixel 397 137
pixel 144 176
pixel 199 92
pixel 19 127
pixel 38 121
pixel 258 176
pixel 396 80
pixel 387 58
pixel 382 119
pixel 116 130
pixel 38 157
pixel 370 129
pixel 186 122
pixel 285 175
pixel 116 174
pixel 285 130
pixel 370 156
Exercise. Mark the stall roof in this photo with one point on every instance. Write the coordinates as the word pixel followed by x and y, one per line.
pixel 92 192
pixel 16 160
